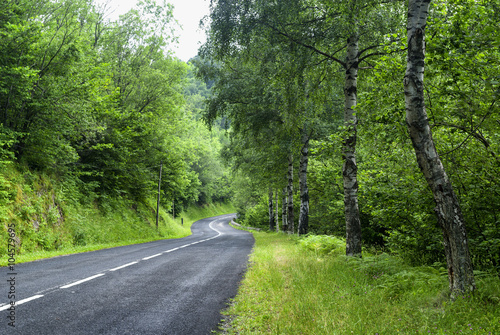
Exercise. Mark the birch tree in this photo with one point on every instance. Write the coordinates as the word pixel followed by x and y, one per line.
pixel 277 212
pixel 290 212
pixel 304 190
pixel 284 208
pixel 350 168
pixel 322 28
pixel 271 207
pixel 448 211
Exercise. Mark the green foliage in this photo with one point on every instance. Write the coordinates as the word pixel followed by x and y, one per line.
pixel 252 208
pixel 257 215
pixel 263 100
pixel 464 98
pixel 7 140
pixel 102 104
pixel 397 209
pixel 89 110
pixel 461 104
pixel 325 184
pixel 323 244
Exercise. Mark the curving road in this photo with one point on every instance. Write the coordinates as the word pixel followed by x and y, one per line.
pixel 162 287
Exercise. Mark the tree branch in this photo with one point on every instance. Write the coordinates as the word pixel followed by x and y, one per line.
pixel 294 40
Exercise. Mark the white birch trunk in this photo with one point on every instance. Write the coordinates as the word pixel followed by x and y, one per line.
pixel 284 214
pixel 448 210
pixel 277 219
pixel 350 169
pixel 304 190
pixel 271 214
pixel 290 223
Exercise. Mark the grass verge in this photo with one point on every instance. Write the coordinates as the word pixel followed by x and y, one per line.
pixel 308 287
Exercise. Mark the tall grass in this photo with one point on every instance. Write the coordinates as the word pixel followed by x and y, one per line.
pixel 307 287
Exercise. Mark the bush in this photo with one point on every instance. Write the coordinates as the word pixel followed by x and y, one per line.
pixel 323 244
pixel 257 215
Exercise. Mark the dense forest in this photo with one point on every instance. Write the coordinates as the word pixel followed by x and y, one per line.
pixel 322 119
pixel 90 110
pixel 334 130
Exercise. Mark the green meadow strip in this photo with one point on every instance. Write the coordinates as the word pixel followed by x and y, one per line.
pixel 306 286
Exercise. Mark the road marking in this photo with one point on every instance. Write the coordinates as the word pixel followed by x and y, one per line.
pixel 123 266
pixel 29 299
pixel 6 307
pixel 219 233
pixel 146 258
pixel 82 281
pixel 182 246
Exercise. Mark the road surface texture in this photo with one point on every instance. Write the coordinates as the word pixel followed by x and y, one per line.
pixel 162 287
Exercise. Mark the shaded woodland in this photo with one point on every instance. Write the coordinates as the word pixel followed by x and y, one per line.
pixel 377 121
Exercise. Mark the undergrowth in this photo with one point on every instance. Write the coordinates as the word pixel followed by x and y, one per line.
pixel 323 244
pixel 306 286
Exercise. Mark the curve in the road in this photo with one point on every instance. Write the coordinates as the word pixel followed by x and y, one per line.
pixel 133 289
pixel 6 306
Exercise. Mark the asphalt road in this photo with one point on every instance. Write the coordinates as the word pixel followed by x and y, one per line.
pixel 162 287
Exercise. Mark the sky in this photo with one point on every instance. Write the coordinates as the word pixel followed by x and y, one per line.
pixel 187 12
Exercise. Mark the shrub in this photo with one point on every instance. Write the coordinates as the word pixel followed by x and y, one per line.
pixel 323 244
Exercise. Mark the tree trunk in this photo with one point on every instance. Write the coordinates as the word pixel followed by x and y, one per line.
pixel 277 220
pixel 350 169
pixel 304 191
pixel 271 214
pixel 284 214
pixel 290 223
pixel 448 210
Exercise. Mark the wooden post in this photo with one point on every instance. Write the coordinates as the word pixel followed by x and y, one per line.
pixel 158 202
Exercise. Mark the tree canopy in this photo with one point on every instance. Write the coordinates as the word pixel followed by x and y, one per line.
pixel 104 103
pixel 280 67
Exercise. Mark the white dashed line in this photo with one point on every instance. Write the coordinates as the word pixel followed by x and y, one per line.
pixel 29 299
pixel 82 281
pixel 146 258
pixel 6 307
pixel 123 266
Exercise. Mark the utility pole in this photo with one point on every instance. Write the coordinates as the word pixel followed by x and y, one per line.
pixel 158 202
